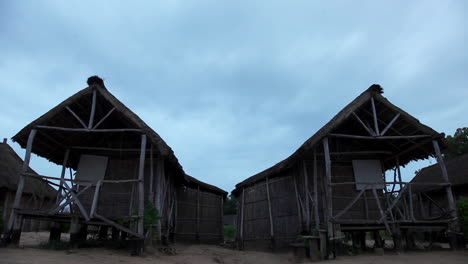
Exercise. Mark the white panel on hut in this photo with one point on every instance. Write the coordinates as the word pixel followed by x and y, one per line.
pixel 368 171
pixel 91 168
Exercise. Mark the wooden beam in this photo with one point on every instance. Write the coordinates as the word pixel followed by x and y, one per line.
pixel 141 187
pixel 95 199
pixel 241 233
pixel 24 168
pixel 115 130
pixel 76 116
pixel 77 202
pixel 448 188
pixel 328 190
pixel 390 124
pixel 104 118
pixel 62 175
pixel 93 110
pixel 383 215
pixel 410 196
pixel 151 191
pixel 69 201
pixel 374 112
pixel 342 212
pixel 372 133
pixel 378 137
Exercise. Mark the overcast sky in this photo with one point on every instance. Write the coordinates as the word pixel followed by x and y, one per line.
pixel 234 86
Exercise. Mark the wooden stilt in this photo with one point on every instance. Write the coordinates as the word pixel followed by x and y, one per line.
pixel 103 230
pixel 55 232
pixel 12 226
pixel 75 227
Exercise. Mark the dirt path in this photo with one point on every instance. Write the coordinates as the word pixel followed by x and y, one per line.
pixel 203 254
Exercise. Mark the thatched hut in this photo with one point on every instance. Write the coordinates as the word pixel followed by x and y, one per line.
pixel 431 200
pixel 335 182
pixel 37 194
pixel 199 212
pixel 114 167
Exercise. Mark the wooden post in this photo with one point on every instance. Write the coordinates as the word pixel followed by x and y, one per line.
pixel 316 205
pixel 141 187
pixel 159 175
pixel 410 198
pixel 306 197
pixel 298 203
pixel 151 191
pixel 75 228
pixel 454 228
pixel 62 176
pixel 270 214
pixel 328 189
pixel 241 246
pixel 221 225
pixel 19 191
pixel 405 205
pixel 93 110
pixel 55 232
pixel 374 112
pixel 198 214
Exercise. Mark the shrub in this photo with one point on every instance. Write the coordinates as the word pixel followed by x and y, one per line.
pixel 462 207
pixel 229 232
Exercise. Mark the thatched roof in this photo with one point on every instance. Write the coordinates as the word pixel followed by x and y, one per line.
pixel 208 187
pixel 345 123
pixel 10 168
pixel 52 144
pixel 457 170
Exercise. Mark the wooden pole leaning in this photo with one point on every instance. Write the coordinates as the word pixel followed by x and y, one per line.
pixel 62 176
pixel 15 233
pixel 328 190
pixel 270 214
pixel 141 189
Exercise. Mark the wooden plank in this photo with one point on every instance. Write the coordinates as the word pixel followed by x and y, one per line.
pixel 24 168
pixel 372 133
pixel 443 169
pixel 270 215
pixel 316 205
pixel 374 114
pixel 93 110
pixel 377 137
pixel 113 130
pixel 390 124
pixel 411 211
pixel 104 118
pixel 62 176
pixel 141 187
pixel 76 116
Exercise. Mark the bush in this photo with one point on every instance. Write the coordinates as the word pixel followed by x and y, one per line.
pixel 462 207
pixel 229 232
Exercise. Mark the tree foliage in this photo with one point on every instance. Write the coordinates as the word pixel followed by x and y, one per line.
pixel 458 143
pixel 230 206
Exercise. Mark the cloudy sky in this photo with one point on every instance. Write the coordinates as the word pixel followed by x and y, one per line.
pixel 234 86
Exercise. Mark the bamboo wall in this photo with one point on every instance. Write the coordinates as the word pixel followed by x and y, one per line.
pixel 199 216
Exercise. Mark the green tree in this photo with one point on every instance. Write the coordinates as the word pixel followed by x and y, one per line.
pixel 230 206
pixel 458 143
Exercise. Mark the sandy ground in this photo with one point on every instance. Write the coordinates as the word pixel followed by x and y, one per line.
pixel 200 254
